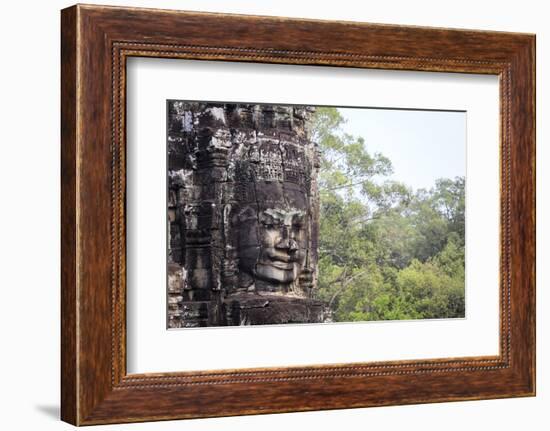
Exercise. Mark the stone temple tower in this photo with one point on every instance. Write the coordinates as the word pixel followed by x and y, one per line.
pixel 242 215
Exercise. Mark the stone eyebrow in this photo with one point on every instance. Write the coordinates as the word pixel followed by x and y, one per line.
pixel 274 214
pixel 268 218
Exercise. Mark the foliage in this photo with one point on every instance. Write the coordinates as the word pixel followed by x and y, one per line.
pixel 385 251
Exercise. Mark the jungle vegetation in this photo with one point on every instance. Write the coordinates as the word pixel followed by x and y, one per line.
pixel 386 251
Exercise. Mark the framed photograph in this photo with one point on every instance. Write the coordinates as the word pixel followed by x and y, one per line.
pixel 264 214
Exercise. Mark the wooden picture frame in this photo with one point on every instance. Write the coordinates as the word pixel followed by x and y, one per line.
pixel 95 43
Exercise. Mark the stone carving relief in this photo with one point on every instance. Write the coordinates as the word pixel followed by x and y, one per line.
pixel 242 214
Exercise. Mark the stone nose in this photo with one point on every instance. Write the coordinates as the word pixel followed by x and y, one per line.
pixel 287 241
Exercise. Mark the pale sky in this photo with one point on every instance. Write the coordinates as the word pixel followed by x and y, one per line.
pixel 422 145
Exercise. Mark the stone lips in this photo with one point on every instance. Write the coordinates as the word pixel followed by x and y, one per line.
pixel 242 214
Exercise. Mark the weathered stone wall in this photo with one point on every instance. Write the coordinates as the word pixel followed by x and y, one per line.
pixel 242 214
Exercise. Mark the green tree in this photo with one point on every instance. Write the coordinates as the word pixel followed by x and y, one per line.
pixel 384 251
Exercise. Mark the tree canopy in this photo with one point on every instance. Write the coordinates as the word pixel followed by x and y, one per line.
pixel 386 252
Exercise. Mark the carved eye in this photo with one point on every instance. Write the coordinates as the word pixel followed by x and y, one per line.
pixel 268 224
pixel 298 223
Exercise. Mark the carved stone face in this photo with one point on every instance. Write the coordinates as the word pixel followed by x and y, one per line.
pixel 273 244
